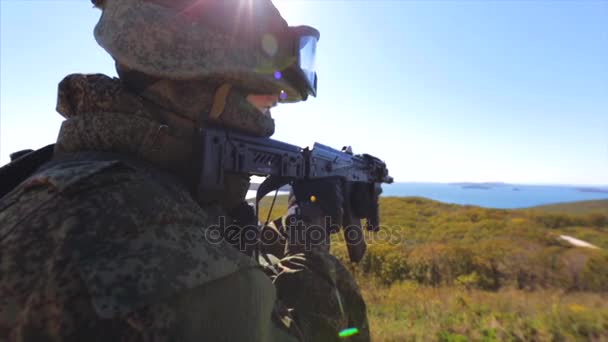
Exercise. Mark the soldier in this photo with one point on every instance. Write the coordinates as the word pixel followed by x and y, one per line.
pixel 109 240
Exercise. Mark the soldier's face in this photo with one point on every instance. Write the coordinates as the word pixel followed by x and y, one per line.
pixel 263 102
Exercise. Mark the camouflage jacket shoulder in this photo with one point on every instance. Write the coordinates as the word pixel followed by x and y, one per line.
pixel 132 234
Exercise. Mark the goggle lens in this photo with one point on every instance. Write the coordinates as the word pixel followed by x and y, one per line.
pixel 306 58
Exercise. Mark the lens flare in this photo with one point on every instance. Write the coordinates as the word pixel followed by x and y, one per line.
pixel 348 332
pixel 270 45
pixel 278 75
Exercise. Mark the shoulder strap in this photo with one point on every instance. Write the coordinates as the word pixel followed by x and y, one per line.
pixel 18 170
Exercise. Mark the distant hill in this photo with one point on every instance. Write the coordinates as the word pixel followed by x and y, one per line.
pixel 436 243
pixel 572 208
pixel 575 208
pixel 482 184
pixel 600 190
pixel 255 186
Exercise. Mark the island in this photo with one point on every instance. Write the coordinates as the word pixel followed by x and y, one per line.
pixel 594 190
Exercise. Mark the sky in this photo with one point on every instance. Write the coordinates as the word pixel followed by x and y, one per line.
pixel 443 91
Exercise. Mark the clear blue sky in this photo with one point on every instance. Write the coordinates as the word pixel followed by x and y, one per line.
pixel 442 90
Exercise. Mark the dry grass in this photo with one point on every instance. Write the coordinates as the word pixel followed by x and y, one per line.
pixel 410 312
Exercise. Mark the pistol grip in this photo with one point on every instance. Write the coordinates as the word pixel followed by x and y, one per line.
pixel 353 232
pixel 355 240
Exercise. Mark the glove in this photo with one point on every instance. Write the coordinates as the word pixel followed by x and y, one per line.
pixel 315 211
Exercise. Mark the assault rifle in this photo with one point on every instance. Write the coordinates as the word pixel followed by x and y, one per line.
pixel 231 152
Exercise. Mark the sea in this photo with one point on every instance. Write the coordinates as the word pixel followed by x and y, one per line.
pixel 493 195
pixel 500 195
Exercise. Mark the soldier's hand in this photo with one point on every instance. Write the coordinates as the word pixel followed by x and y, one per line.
pixel 315 211
pixel 319 199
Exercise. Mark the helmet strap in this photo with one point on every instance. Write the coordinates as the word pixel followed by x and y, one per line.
pixel 219 101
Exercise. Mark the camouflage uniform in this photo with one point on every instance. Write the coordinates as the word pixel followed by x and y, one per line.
pixel 106 242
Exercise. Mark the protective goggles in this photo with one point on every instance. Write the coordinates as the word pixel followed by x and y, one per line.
pixel 302 74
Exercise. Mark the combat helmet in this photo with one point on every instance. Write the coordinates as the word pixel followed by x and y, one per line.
pixel 242 42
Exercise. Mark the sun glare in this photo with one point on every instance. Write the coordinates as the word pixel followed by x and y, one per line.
pixel 291 10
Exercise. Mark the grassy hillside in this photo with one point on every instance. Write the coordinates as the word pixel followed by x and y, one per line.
pixel 434 243
pixel 576 208
pixel 447 272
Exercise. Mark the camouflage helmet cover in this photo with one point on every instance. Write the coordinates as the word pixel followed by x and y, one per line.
pixel 244 42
